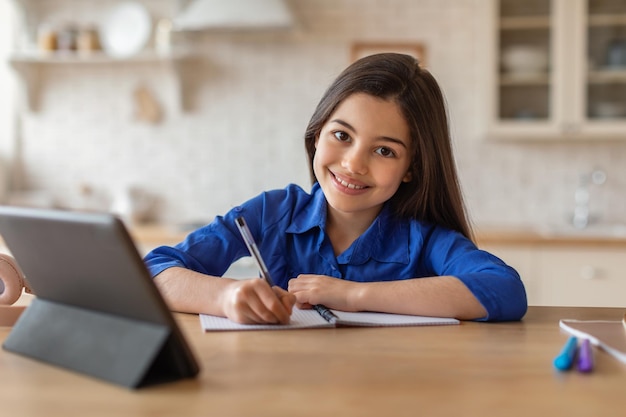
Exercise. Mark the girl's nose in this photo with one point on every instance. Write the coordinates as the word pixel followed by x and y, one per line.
pixel 355 161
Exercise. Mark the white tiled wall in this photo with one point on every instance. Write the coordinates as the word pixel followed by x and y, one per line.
pixel 251 96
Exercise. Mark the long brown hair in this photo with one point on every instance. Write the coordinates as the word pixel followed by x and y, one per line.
pixel 434 193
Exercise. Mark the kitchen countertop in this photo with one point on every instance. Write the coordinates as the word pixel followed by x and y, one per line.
pixel 534 235
pixel 159 234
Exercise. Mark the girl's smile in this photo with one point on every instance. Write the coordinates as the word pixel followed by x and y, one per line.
pixel 362 155
pixel 348 185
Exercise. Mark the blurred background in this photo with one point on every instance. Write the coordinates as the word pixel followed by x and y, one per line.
pixel 170 112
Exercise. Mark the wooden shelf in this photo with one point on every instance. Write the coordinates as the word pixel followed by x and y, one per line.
pixel 29 63
pixel 600 20
pixel 607 76
pixel 522 23
pixel 512 80
pixel 38 57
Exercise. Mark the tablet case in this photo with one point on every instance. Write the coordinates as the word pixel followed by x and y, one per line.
pixel 97 310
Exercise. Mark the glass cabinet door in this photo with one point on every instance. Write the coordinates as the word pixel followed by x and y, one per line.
pixel 606 53
pixel 558 70
pixel 525 90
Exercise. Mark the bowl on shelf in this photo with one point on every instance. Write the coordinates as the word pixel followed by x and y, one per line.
pixel 609 110
pixel 525 60
pixel 616 54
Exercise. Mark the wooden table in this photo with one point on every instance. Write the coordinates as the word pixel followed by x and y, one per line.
pixel 475 369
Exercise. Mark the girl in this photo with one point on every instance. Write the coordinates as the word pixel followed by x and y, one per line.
pixel 383 229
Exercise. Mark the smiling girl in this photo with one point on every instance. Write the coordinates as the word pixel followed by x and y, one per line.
pixel 383 228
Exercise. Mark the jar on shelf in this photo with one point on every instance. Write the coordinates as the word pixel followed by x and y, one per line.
pixel 88 39
pixel 46 38
pixel 67 37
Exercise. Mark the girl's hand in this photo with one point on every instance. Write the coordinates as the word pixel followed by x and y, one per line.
pixel 252 301
pixel 321 289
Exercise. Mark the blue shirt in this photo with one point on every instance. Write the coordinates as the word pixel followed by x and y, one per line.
pixel 289 228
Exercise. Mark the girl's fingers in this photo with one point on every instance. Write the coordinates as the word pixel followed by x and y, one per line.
pixel 258 303
pixel 286 298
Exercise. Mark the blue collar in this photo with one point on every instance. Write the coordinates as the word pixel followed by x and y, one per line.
pixel 386 240
pixel 311 216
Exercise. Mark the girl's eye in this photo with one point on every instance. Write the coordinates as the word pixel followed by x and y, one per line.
pixel 386 152
pixel 341 136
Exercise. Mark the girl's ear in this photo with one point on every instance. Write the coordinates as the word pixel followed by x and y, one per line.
pixel 408 177
pixel 317 139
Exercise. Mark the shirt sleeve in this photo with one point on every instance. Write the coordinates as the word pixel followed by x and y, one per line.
pixel 210 249
pixel 213 248
pixel 496 285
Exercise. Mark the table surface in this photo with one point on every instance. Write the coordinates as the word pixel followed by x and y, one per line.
pixel 474 369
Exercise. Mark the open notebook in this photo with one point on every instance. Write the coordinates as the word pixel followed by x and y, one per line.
pixel 308 319
pixel 608 335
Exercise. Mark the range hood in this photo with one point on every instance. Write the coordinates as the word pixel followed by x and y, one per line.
pixel 234 15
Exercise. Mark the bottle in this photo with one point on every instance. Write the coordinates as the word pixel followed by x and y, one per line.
pixel 163 37
pixel 66 38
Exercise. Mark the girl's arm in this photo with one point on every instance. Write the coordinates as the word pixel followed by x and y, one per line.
pixel 243 301
pixel 444 296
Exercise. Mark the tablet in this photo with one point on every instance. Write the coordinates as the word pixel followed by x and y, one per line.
pixel 97 310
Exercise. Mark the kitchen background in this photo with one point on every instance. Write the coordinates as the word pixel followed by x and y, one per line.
pixel 198 121
pixel 234 112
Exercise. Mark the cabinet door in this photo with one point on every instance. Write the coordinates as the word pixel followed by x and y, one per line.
pixel 602 103
pixel 527 88
pixel 522 258
pixel 557 69
pixel 583 276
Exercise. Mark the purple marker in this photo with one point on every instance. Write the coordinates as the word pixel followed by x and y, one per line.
pixel 585 357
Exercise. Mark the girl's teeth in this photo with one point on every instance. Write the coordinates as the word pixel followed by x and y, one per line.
pixel 347 184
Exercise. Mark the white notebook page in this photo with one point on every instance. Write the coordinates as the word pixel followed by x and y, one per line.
pixel 304 319
pixel 387 320
pixel 300 319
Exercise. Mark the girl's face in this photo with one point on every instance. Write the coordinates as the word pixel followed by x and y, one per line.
pixel 362 155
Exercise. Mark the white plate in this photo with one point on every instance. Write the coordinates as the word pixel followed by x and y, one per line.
pixel 126 29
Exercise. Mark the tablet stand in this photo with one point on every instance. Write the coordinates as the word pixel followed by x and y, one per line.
pixel 120 350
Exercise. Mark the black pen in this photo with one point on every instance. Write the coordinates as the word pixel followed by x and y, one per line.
pixel 254 250
pixel 265 274
pixel 325 312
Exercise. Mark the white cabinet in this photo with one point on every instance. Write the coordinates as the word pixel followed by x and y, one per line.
pixel 568 274
pixel 583 276
pixel 557 69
